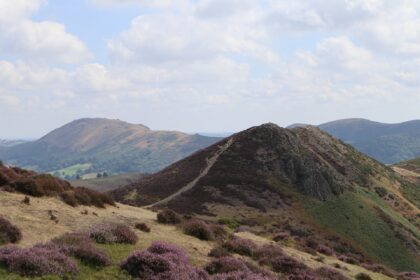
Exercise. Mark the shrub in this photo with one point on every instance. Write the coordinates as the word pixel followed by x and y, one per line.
pixel 325 250
pixel 26 200
pixel 303 274
pixel 168 216
pixel 143 227
pixel 161 261
pixel 379 268
pixel 240 246
pixel 27 186
pixel 219 252
pixel 93 256
pixel 363 276
pixel 37 261
pixel 411 275
pixel 198 229
pixel 81 247
pixel 327 273
pixel 113 233
pixel 225 265
pixel 281 236
pixel 349 259
pixel 266 253
pixel 230 223
pixel 219 232
pixel 69 198
pixel 287 265
pixel 9 233
pixel 242 275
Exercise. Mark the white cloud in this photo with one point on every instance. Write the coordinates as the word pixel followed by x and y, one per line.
pixel 44 41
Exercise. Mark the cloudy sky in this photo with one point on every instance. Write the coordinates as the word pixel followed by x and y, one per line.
pixel 206 65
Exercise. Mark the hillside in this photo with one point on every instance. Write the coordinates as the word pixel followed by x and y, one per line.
pixel 301 181
pixel 36 227
pixel 102 145
pixel 108 183
pixel 10 143
pixel 387 143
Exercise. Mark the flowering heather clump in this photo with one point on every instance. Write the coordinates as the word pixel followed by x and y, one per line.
pixel 8 232
pixel 161 261
pixel 168 216
pixel 113 233
pixel 37 261
pixel 327 273
pixel 81 247
pixel 266 253
pixel 198 229
pixel 411 275
pixel 218 252
pixel 242 275
pixel 379 268
pixel 303 274
pixel 225 265
pixel 240 246
pixel 325 250
pixel 287 265
pixel 281 236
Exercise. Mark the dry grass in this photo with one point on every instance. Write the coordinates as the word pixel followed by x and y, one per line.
pixel 36 226
pixel 311 261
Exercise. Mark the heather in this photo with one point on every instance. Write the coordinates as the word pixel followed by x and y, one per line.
pixel 161 261
pixel 167 216
pixel 9 233
pixel 80 246
pixel 113 233
pixel 240 246
pixel 37 261
pixel 199 229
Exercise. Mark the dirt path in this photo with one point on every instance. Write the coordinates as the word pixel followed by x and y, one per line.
pixel 210 162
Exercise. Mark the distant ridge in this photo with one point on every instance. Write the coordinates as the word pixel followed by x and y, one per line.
pixel 385 142
pixel 92 145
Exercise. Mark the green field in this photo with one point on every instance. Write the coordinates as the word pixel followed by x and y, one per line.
pixel 72 170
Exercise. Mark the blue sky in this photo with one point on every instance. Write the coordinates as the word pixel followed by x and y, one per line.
pixel 206 65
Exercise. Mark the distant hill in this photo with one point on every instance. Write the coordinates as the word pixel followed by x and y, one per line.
pixel 108 183
pixel 10 143
pixel 103 145
pixel 301 181
pixel 387 143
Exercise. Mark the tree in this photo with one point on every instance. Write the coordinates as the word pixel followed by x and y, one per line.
pixel 99 175
pixel 105 174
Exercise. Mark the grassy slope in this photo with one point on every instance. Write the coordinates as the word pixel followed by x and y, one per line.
pixel 108 183
pixel 36 227
pixel 72 170
pixel 354 217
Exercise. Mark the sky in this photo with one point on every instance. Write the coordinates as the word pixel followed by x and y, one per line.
pixel 206 65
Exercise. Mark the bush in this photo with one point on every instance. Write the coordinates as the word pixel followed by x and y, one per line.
pixel 325 250
pixel 9 233
pixel 219 252
pixel 327 273
pixel 266 253
pixel 363 276
pixel 411 275
pixel 349 259
pixel 113 233
pixel 225 265
pixel 81 247
pixel 281 236
pixel 161 261
pixel 143 227
pixel 198 229
pixel 168 216
pixel 240 246
pixel 379 268
pixel 37 261
pixel 287 265
pixel 26 200
pixel 242 275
